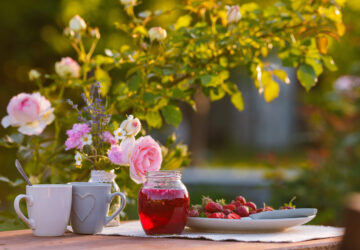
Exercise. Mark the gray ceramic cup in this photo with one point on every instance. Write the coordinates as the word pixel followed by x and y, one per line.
pixel 90 205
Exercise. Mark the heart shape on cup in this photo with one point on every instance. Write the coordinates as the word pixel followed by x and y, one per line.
pixel 88 203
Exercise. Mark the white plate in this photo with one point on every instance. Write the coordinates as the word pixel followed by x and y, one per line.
pixel 245 224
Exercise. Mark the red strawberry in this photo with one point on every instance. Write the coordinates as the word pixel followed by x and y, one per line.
pixel 233 216
pixel 193 213
pixel 230 207
pixel 268 208
pixel 213 207
pixel 217 215
pixel 243 211
pixel 207 214
pixel 286 207
pixel 227 211
pixel 241 199
pixel 251 205
pixel 236 203
pixel 259 210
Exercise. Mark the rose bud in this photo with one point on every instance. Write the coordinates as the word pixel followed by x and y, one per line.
pixel 128 2
pixel 157 34
pixel 67 67
pixel 77 24
pixel 233 14
pixel 34 74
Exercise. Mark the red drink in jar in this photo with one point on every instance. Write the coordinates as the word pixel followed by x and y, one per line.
pixel 163 203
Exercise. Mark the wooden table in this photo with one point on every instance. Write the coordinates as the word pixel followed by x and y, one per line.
pixel 23 239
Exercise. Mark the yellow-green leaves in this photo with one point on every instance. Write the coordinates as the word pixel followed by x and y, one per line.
pixel 105 81
pixel 153 118
pixel 322 44
pixel 282 75
pixel 183 21
pixel 329 63
pixel 307 76
pixel 172 115
pixel 271 91
pixel 238 101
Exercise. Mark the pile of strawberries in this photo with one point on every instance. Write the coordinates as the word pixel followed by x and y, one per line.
pixel 237 209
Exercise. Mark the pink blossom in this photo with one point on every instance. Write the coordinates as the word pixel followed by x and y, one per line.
pixel 109 138
pixel 30 112
pixel 116 155
pixel 146 156
pixel 75 134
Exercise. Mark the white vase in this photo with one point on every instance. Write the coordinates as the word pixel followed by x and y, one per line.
pixel 102 176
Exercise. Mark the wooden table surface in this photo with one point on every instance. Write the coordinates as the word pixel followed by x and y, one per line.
pixel 23 239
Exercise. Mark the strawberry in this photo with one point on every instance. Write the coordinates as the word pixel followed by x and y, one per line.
pixel 243 211
pixel 207 214
pixel 205 200
pixel 251 205
pixel 217 215
pixel 227 211
pixel 230 207
pixel 268 208
pixel 259 210
pixel 241 199
pixel 233 216
pixel 193 212
pixel 213 207
pixel 236 203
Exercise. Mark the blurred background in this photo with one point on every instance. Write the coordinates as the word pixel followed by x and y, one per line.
pixel 302 144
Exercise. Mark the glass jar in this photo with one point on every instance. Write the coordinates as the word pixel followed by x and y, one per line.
pixel 102 176
pixel 163 203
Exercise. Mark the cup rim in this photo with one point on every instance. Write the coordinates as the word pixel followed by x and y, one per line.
pixel 89 184
pixel 48 186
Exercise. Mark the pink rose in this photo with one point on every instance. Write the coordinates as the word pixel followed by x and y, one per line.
pixel 233 14
pixel 67 67
pixel 30 112
pixel 146 156
pixel 78 131
pixel 109 138
pixel 120 154
pixel 116 155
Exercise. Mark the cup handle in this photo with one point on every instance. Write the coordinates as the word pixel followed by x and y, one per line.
pixel 123 203
pixel 29 200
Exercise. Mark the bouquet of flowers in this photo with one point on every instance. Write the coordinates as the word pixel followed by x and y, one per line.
pixel 98 147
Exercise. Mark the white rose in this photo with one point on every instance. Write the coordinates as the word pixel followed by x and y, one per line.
pixel 157 34
pixel 77 24
pixel 233 14
pixel 34 74
pixel 128 2
pixel 67 67
pixel 131 126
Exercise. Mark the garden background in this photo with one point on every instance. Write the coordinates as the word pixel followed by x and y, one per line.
pixel 302 144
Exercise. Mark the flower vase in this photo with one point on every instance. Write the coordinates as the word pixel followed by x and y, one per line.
pixel 102 176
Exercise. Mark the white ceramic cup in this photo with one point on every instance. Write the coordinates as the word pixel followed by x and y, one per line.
pixel 48 207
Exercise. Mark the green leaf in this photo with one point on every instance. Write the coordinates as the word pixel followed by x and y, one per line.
pixel 153 118
pixel 307 76
pixel 183 21
pixel 205 79
pixel 150 98
pixel 172 115
pixel 238 101
pixel 282 75
pixel 329 63
pixel 105 81
pixel 315 64
pixel 134 82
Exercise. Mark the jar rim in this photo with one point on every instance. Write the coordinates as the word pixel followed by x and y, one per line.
pixel 163 174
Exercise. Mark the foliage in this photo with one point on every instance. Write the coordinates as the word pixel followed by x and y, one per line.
pixel 149 77
pixel 334 156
